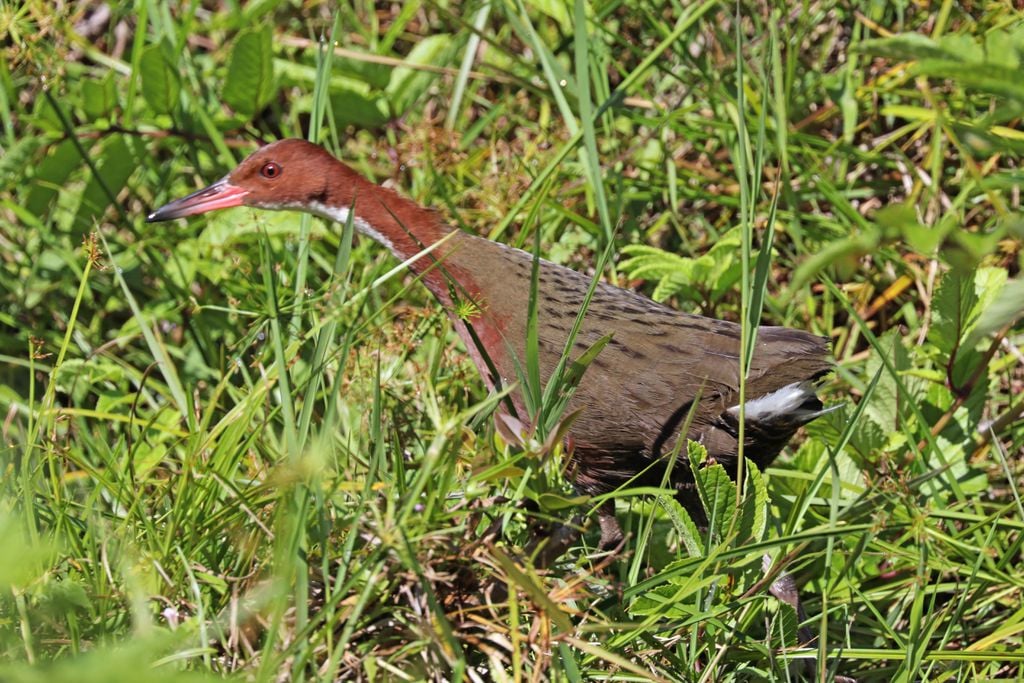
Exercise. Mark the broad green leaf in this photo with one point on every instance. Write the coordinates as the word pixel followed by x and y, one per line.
pixel 843 254
pixel 784 626
pixel 160 82
pixel 906 46
pixel 50 174
pixel 376 75
pixel 755 505
pixel 684 525
pixel 989 78
pixel 884 409
pixel 409 83
pixel 960 300
pixel 900 220
pixel 117 161
pixel 358 107
pixel 45 116
pixel 1000 50
pixel 250 80
pixel 99 96
pixel 23 561
pixel 963 47
pixel 718 495
pixel 553 502
pixel 353 101
pixel 557 10
pixel 1001 303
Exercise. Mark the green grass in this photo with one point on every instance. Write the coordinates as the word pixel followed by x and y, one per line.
pixel 251 446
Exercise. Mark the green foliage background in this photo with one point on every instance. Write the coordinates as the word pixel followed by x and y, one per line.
pixel 252 446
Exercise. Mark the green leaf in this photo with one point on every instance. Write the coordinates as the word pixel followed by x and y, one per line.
pixel 714 273
pixel 906 46
pixel 557 10
pixel 991 78
pixel 960 300
pixel 17 159
pixel 408 83
pixel 353 101
pixel 1000 303
pixel 99 97
pixel 1000 50
pixel 669 600
pixel 250 81
pixel 962 47
pixel 552 502
pixel 117 161
pixel 23 561
pixel 50 174
pixel 884 409
pixel 754 521
pixel 160 82
pixel 718 494
pixel 956 305
pixel 357 106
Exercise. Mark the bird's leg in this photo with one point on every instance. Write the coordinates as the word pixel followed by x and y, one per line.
pixel 611 532
pixel 547 548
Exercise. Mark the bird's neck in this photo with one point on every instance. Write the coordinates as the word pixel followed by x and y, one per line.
pixel 415 235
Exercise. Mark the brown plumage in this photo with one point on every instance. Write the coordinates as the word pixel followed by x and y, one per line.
pixel 660 366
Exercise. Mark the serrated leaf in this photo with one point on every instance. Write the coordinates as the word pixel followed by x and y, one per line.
pixel 754 522
pixel 714 272
pixel 160 83
pixel 786 625
pixel 884 408
pixel 1003 308
pixel 718 495
pixel 670 600
pixel 959 301
pixel 648 262
pixel 250 81
pixel 685 526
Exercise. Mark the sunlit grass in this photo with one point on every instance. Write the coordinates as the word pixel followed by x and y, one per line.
pixel 251 445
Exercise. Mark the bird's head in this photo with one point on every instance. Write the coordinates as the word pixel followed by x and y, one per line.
pixel 289 174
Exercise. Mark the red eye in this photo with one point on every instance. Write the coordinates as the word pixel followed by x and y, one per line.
pixel 270 170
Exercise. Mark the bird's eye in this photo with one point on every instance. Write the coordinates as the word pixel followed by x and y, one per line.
pixel 270 170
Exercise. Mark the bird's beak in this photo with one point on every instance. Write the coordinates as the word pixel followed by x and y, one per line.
pixel 220 195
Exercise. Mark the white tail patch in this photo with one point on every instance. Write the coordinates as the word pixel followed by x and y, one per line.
pixel 782 403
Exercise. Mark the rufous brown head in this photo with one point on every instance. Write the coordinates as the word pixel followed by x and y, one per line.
pixel 288 174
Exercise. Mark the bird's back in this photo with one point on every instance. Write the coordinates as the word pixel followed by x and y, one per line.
pixel 660 369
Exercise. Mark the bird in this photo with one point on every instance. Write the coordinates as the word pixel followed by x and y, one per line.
pixel 660 376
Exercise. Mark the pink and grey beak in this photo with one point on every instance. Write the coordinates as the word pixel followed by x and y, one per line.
pixel 220 195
